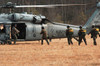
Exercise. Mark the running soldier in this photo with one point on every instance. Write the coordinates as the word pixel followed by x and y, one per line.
pixel 94 32
pixel 15 31
pixel 82 34
pixel 44 36
pixel 69 34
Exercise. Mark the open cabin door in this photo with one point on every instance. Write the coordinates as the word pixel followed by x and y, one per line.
pixel 22 28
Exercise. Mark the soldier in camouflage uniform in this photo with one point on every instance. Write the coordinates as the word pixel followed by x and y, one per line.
pixel 44 36
pixel 94 32
pixel 82 34
pixel 15 31
pixel 69 33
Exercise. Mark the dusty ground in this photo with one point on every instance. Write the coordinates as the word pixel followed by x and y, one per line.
pixel 58 53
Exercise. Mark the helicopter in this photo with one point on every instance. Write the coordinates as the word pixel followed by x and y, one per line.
pixel 30 25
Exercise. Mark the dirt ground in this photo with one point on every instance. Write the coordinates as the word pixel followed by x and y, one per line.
pixel 58 53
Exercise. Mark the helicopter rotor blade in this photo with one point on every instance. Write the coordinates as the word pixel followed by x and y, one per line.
pixel 48 6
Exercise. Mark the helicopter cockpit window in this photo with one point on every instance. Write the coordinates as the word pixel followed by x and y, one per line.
pixel 2 28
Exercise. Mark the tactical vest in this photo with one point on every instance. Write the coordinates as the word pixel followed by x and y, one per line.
pixel 71 31
pixel 44 34
pixel 96 30
pixel 83 32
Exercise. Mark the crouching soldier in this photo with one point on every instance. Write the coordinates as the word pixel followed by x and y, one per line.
pixel 44 36
pixel 82 34
pixel 94 32
pixel 69 34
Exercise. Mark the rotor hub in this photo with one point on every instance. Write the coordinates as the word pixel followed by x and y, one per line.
pixel 9 5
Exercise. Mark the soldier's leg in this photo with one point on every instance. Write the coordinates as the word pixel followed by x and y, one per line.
pixel 94 39
pixel 15 39
pixel 80 40
pixel 41 41
pixel 47 41
pixel 68 40
pixel 71 40
pixel 85 40
pixel 50 39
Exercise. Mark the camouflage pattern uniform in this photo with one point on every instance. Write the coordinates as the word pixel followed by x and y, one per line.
pixel 44 36
pixel 69 33
pixel 15 31
pixel 94 32
pixel 82 34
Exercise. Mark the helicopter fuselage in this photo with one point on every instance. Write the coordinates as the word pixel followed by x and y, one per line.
pixel 30 31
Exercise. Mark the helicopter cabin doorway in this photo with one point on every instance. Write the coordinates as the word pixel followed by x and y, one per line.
pixel 22 28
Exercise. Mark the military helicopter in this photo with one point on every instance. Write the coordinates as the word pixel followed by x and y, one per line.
pixel 30 25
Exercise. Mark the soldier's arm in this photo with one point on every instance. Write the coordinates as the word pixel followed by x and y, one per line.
pixel 17 31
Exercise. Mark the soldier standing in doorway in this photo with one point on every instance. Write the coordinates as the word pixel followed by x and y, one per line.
pixel 82 34
pixel 69 34
pixel 44 36
pixel 94 32
pixel 15 31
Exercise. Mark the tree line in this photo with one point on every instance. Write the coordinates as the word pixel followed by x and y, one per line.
pixel 70 14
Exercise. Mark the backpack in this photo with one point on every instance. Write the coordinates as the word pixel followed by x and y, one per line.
pixel 83 32
pixel 71 31
pixel 96 31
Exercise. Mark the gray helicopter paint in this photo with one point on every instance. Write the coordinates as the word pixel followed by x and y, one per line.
pixel 53 31
pixel 2 36
pixel 8 30
pixel 33 32
pixel 4 20
pixel 21 17
pixel 25 17
pixel 56 31
pixel 30 30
